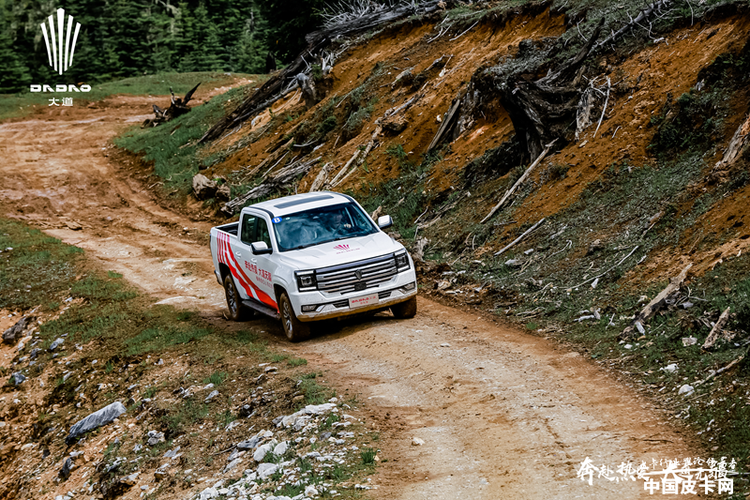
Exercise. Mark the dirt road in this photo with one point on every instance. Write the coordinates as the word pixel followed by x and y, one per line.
pixel 502 414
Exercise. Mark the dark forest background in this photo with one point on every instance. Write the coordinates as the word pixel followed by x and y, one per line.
pixel 125 38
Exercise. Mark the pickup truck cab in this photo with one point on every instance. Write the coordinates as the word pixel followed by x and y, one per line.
pixel 311 257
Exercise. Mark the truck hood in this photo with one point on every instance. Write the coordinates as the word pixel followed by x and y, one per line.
pixel 341 252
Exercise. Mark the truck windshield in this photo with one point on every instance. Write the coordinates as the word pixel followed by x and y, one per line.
pixel 321 225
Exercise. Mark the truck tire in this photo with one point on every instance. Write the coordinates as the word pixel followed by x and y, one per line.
pixel 294 329
pixel 406 309
pixel 234 302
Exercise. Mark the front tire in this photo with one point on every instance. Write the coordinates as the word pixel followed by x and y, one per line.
pixel 294 329
pixel 234 302
pixel 404 310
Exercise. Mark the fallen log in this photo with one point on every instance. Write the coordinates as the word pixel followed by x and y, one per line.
pixel 526 233
pixel 359 159
pixel 518 182
pixel 716 330
pixel 657 303
pixel 232 207
pixel 321 178
pixel 448 121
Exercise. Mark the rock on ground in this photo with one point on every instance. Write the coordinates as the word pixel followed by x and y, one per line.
pixel 203 187
pixel 9 335
pixel 95 420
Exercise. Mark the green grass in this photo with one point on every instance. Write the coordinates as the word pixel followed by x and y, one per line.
pixel 216 378
pixel 34 268
pixel 404 197
pixel 14 105
pixel 297 362
pixel 187 414
pixel 368 455
pixel 172 146
pixel 314 393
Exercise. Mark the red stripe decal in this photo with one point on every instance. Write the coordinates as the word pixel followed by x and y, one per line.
pixel 261 295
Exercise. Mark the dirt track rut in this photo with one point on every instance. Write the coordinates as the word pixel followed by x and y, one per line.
pixel 503 414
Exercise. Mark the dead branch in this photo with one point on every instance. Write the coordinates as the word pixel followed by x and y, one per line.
pixel 518 182
pixel 736 145
pixel 361 158
pixel 716 330
pixel 462 34
pixel 345 167
pixel 604 109
pixel 232 207
pixel 644 14
pixel 721 370
pixel 608 270
pixel 178 107
pixel 520 237
pixel 447 121
pixel 657 303
pixel 322 177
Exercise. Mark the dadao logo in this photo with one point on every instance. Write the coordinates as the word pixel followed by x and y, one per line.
pixel 60 50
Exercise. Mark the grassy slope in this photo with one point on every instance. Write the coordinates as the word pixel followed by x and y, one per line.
pixel 121 329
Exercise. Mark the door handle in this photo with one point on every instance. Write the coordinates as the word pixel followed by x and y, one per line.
pixel 238 254
pixel 253 260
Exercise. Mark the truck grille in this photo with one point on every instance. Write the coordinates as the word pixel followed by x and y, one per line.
pixel 356 276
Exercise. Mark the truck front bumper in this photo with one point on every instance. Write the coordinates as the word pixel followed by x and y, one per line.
pixel 328 308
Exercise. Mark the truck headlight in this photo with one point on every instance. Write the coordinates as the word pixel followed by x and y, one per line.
pixel 306 281
pixel 402 261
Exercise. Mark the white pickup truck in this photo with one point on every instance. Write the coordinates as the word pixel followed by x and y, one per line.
pixel 311 257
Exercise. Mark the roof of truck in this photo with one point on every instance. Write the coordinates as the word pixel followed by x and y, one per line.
pixel 291 204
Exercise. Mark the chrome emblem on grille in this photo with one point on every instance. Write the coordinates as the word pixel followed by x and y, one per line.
pixel 358 274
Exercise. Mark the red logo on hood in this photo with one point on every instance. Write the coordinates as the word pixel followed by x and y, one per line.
pixel 341 247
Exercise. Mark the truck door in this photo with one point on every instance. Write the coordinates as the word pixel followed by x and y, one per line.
pixel 265 263
pixel 252 280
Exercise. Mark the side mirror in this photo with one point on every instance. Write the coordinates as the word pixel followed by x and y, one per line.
pixel 385 221
pixel 260 248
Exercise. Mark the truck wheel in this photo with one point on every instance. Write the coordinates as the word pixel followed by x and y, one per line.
pixel 406 309
pixel 294 329
pixel 234 304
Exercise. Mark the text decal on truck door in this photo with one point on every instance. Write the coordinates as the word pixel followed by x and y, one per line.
pixel 226 256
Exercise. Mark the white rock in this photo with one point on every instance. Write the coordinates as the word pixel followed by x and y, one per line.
pixel 310 491
pixel 212 395
pixel 669 368
pixel 208 494
pixel 281 448
pixel 417 441
pixel 265 470
pixel 231 465
pixel 686 389
pixel 261 452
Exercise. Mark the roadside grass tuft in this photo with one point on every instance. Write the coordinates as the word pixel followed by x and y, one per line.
pixel 216 378
pixel 368 455
pixel 314 393
pixel 297 362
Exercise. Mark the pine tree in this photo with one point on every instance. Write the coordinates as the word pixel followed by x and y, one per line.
pixel 15 76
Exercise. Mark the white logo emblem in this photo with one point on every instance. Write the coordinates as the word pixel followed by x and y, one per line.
pixel 59 49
